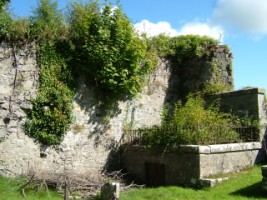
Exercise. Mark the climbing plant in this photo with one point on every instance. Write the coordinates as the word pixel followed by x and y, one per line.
pixel 51 115
pixel 189 55
pixel 98 42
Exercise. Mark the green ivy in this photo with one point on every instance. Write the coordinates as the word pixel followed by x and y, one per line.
pixel 51 115
pixel 182 51
pixel 97 42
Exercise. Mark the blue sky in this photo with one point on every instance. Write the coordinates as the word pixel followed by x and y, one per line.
pixel 241 24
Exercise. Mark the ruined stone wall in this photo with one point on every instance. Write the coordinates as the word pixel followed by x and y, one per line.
pixel 197 73
pixel 18 81
pixel 88 145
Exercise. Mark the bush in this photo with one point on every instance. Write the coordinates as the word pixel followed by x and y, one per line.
pixel 46 22
pixel 192 124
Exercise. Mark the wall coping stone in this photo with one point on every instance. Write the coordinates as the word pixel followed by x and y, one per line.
pixel 240 92
pixel 220 148
pixel 202 149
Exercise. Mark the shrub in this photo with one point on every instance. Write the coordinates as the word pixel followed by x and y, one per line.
pixel 46 22
pixel 14 31
pixel 192 124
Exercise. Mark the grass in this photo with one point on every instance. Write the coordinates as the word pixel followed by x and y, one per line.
pixel 9 190
pixel 247 185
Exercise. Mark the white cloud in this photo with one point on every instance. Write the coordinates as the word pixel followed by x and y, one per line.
pixel 194 28
pixel 152 29
pixel 198 28
pixel 246 15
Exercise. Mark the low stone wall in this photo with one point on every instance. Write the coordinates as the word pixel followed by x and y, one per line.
pixel 189 163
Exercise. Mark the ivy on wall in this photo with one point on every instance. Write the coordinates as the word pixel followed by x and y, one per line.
pixel 97 42
pixel 190 54
pixel 51 114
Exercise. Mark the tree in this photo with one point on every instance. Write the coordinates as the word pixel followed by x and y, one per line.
pixel 107 49
pixel 47 21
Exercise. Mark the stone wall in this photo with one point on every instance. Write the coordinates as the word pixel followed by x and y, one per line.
pixel 194 74
pixel 89 145
pixel 248 102
pixel 18 83
pixel 189 164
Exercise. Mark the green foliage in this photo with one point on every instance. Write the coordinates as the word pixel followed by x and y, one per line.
pixel 191 46
pixel 162 45
pixel 15 31
pixel 51 115
pixel 3 4
pixel 183 47
pixel 191 123
pixel 188 53
pixel 52 109
pixel 5 24
pixel 107 49
pixel 47 22
pixel 215 88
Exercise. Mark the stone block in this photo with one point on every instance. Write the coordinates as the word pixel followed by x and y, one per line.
pixel 218 148
pixel 26 106
pixel 21 135
pixel 110 191
pixel 6 90
pixel 204 150
pixel 264 171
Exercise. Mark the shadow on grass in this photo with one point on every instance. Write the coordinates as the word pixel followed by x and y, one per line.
pixel 252 191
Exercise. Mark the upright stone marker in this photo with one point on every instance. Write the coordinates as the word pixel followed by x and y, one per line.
pixel 264 177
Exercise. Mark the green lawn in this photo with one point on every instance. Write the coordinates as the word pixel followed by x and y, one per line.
pixel 9 190
pixel 247 185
